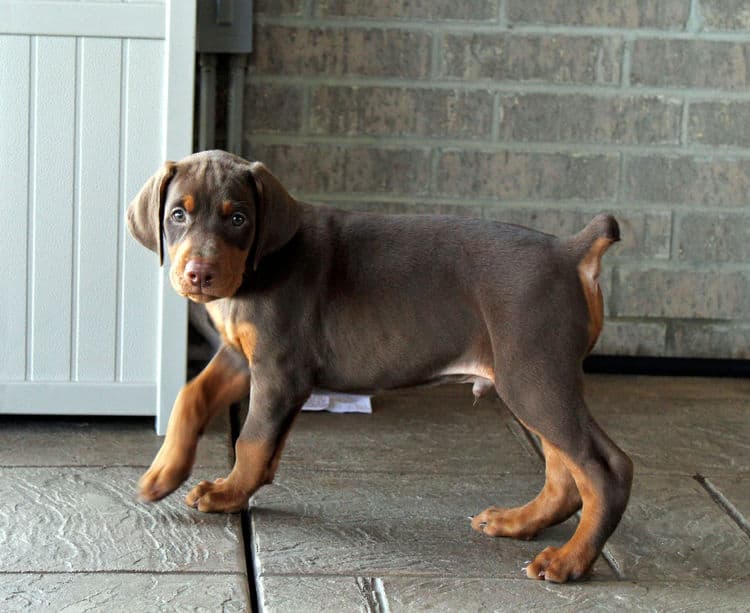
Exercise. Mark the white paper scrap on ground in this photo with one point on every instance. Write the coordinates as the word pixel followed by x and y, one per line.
pixel 338 403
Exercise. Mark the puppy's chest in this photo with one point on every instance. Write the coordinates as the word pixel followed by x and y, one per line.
pixel 238 333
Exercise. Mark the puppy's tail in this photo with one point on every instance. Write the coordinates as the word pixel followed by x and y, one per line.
pixel 587 248
pixel 595 238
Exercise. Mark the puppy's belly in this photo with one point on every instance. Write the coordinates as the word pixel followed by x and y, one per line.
pixel 373 373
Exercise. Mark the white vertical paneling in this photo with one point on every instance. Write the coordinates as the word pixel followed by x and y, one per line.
pixel 53 168
pixel 143 129
pixel 98 209
pixel 93 95
pixel 14 193
pixel 173 312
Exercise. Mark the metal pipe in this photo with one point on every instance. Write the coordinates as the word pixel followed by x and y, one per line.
pixel 207 103
pixel 235 101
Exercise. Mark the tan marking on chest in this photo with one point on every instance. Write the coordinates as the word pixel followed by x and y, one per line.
pixel 242 336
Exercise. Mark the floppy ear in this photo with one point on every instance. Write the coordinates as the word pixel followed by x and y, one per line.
pixel 277 217
pixel 146 210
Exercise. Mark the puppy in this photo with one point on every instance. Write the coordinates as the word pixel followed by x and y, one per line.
pixel 310 296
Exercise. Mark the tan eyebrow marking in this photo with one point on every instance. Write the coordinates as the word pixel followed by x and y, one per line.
pixel 226 208
pixel 189 203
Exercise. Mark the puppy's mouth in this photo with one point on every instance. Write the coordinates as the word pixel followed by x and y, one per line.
pixel 201 295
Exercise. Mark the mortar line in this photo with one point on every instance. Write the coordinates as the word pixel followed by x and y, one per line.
pixel 684 124
pixel 603 90
pixel 497 117
pixel 590 149
pixel 724 503
pixel 483 26
pixel 502 15
pixel 436 59
pixel 503 203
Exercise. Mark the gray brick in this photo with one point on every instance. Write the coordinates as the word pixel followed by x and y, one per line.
pixel 690 63
pixel 725 14
pixel 720 123
pixel 472 10
pixel 577 118
pixel 643 234
pixel 665 14
pixel 690 294
pixel 710 340
pixel 277 8
pixel 687 180
pixel 631 338
pixel 303 168
pixel 527 176
pixel 712 237
pixel 339 169
pixel 271 108
pixel 391 111
pixel 559 59
pixel 341 52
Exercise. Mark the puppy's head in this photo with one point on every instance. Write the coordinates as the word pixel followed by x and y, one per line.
pixel 219 214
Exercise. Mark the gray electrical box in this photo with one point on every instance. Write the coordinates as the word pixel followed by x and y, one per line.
pixel 225 26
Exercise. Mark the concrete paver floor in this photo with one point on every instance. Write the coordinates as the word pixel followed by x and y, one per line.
pixel 370 512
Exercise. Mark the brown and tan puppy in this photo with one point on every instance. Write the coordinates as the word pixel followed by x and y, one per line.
pixel 309 296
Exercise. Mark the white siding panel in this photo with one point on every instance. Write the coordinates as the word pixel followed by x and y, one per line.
pixel 74 398
pixel 14 193
pixel 76 18
pixel 98 210
pixel 140 277
pixel 53 169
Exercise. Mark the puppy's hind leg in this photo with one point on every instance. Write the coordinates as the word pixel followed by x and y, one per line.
pixel 557 501
pixel 547 399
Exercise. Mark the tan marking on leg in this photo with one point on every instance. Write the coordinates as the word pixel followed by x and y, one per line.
pixel 574 559
pixel 588 273
pixel 557 501
pixel 216 387
pixel 253 468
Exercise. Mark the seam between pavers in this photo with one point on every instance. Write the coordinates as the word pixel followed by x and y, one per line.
pixel 724 503
pixel 216 573
pixel 398 471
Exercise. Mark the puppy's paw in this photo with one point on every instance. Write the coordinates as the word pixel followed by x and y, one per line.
pixel 497 521
pixel 217 497
pixel 554 565
pixel 167 472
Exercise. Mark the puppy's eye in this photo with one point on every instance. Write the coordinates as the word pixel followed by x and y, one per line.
pixel 179 215
pixel 238 219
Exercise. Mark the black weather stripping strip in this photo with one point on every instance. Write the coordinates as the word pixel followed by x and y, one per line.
pixel 721 500
pixel 673 367
pixel 246 523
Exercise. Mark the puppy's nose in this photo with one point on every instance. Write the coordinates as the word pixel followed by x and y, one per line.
pixel 199 272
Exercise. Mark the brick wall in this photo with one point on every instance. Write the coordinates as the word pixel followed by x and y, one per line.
pixel 539 112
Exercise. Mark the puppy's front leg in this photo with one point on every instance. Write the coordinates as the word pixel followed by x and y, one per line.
pixel 257 450
pixel 226 379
